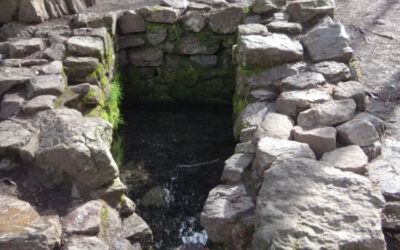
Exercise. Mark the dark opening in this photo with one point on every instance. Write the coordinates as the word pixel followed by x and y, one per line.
pixel 174 155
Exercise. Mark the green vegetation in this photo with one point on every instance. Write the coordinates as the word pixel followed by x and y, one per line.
pixel 239 105
pixel 112 106
pixel 117 149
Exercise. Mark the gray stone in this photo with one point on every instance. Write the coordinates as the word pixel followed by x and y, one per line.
pixel 252 29
pixel 130 41
pixel 305 11
pixel 329 113
pixel 124 244
pixel 24 48
pixel 39 103
pixel 176 4
pixel 270 150
pixel 85 219
pixel 333 72
pixel 77 6
pixel 8 164
pixel 56 8
pixel 373 151
pixel 8 9
pixel 32 11
pixel 204 61
pixel 267 6
pixel 378 123
pixel 262 96
pixel 55 52
pixel 21 227
pixel 159 14
pixel 156 36
pixel 350 158
pixel 131 22
pixel 13 136
pixel 54 67
pixel 320 139
pixel 309 204
pixel 247 133
pixel 274 125
pixel 46 85
pixel 74 146
pixel 285 27
pixel 194 21
pixel 223 208
pixel 86 46
pixel 328 41
pixel 291 103
pixel 252 115
pixel 11 105
pixel 135 229
pixel 97 20
pixel 391 216
pixel 23 62
pixel 156 197
pixel 80 67
pixel 227 20
pixel 95 96
pixel 358 132
pixel 353 90
pixel 85 243
pixel 245 148
pixel 302 81
pixel 235 167
pixel 267 79
pixel 147 57
pixel 80 88
pixel 10 77
pixel 191 44
pixel 258 51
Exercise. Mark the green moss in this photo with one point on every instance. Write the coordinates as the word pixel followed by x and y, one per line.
pixel 117 149
pixel 89 96
pixel 355 70
pixel 155 8
pixel 249 71
pixel 239 105
pixel 154 26
pixel 174 32
pixel 114 101
pixel 246 10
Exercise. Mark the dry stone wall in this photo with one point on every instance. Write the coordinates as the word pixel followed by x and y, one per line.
pixel 297 178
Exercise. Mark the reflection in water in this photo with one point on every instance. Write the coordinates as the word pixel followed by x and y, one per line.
pixel 174 156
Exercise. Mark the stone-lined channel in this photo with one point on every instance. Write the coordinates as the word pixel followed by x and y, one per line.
pixel 157 139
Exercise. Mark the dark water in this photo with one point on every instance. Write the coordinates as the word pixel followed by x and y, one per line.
pixel 157 138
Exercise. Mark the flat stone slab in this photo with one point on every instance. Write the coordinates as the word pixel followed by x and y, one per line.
pixel 10 77
pixel 25 47
pixel 39 103
pixel 46 85
pixel 350 158
pixel 194 21
pixel 13 136
pixel 80 67
pixel 226 20
pixel 320 139
pixel 309 204
pixel 159 14
pixel 235 167
pixel 333 72
pixel 147 58
pixel 270 150
pixel 11 105
pixel 86 46
pixel 285 27
pixel 131 22
pixel 191 44
pixel 351 89
pixel 328 114
pixel 85 219
pixel 302 81
pixel 224 206
pixel 275 49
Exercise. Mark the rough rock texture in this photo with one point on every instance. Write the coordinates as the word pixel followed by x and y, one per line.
pixel 11 104
pixel 353 90
pixel 266 6
pixel 257 51
pixel 350 158
pixel 391 216
pixel 191 44
pixel 330 113
pixel 131 22
pixel 285 27
pixel 378 123
pixel 21 227
pixel 194 21
pixel 304 11
pixel 320 139
pixel 79 67
pixel 235 167
pixel 274 125
pixel 24 48
pixel 309 214
pixel 85 243
pixel 86 46
pixel 75 145
pixel 10 77
pixel 46 85
pixel 270 150
pixel 334 72
pixel 358 132
pixel 306 80
pixel 13 136
pixel 32 11
pixel 136 229
pixel 224 206
pixel 226 21
pixel 293 102
pixel 39 103
pixel 328 41
pixel 85 219
pixel 147 57
pixel 8 9
pixel 159 14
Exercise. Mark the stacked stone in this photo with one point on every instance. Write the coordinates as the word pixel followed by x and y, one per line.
pixel 37 11
pixel 181 52
pixel 296 102
pixel 54 86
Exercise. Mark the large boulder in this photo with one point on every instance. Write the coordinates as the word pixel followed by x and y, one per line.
pixel 306 204
pixel 270 150
pixel 21 227
pixel 32 11
pixel 74 148
pixel 328 40
pixel 8 9
pixel 223 210
pixel 259 51
pixel 306 11
pixel 329 113
pixel 226 20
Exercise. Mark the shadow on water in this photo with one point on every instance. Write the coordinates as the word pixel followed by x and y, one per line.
pixel 158 138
